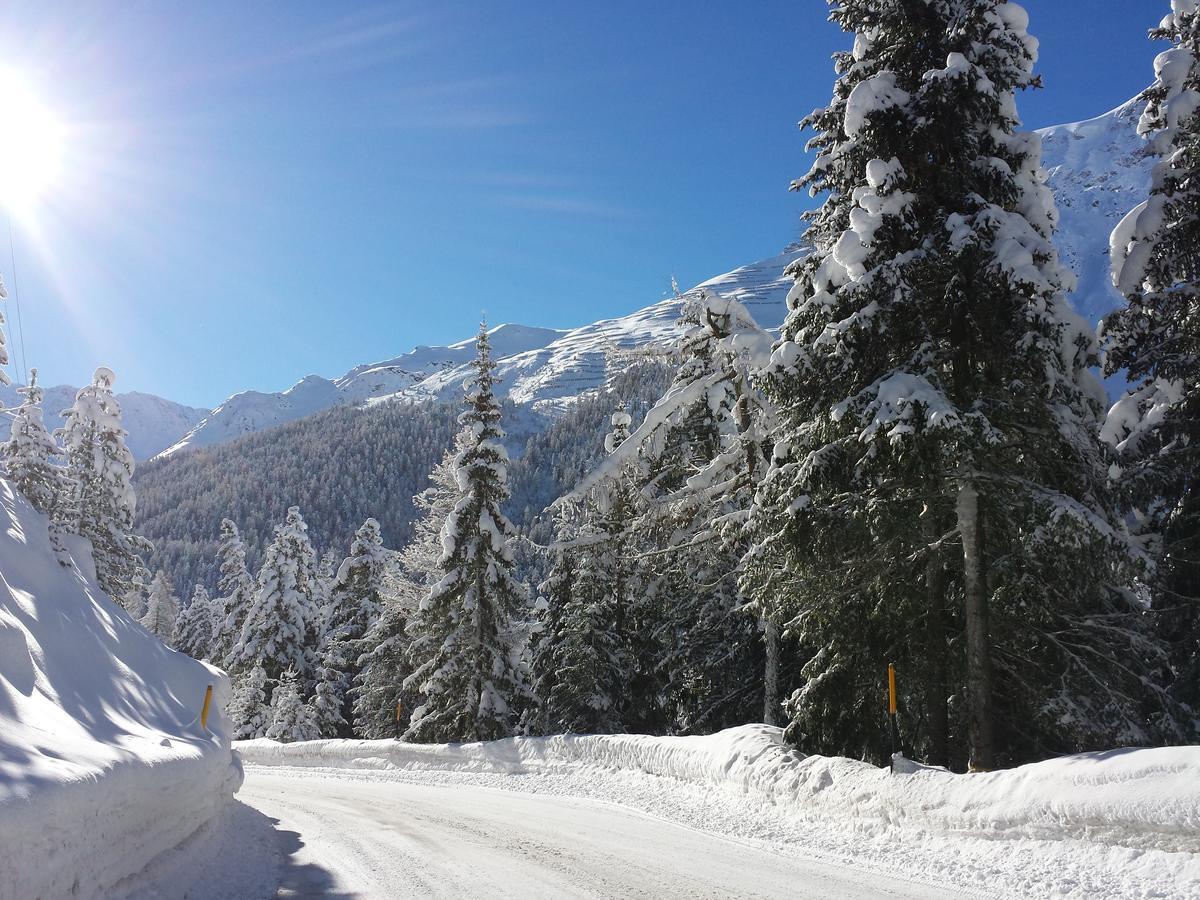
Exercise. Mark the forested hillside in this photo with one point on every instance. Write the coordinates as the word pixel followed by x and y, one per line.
pixel 341 467
pixel 349 463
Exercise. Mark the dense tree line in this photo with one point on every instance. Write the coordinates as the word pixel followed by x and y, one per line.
pixel 340 466
pixel 349 463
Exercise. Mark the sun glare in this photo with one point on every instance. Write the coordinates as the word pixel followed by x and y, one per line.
pixel 30 144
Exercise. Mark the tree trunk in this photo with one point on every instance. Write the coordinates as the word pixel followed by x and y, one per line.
pixel 936 699
pixel 771 673
pixel 979 659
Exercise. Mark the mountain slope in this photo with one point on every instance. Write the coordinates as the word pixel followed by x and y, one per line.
pixel 1099 169
pixel 153 423
pixel 252 411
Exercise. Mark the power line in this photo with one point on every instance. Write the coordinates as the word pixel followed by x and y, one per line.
pixel 12 255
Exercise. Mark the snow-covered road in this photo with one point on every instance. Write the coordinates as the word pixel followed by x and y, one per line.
pixel 368 838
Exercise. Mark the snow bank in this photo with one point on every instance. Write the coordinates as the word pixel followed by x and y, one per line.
pixel 103 763
pixel 1144 799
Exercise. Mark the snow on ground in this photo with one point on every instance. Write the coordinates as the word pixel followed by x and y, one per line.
pixel 103 764
pixel 371 838
pixel 1115 824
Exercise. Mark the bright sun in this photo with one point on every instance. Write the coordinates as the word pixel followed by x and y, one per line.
pixel 30 144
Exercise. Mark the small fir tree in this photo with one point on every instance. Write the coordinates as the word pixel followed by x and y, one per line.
pixel 291 718
pixel 278 632
pixel 235 591
pixel 193 626
pixel 249 709
pixel 162 609
pixel 134 600
pixel 31 455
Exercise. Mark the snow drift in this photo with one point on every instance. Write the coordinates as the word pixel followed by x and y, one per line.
pixel 1143 799
pixel 103 763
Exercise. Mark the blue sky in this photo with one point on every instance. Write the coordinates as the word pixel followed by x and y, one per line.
pixel 254 192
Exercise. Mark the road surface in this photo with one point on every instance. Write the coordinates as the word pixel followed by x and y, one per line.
pixel 345 837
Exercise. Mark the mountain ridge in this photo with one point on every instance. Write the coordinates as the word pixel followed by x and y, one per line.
pixel 153 422
pixel 1097 168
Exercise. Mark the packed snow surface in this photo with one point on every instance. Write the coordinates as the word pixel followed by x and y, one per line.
pixel 1113 824
pixel 386 839
pixel 103 764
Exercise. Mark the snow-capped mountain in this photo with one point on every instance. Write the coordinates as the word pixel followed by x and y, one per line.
pixel 252 411
pixel 582 359
pixel 154 423
pixel 1098 170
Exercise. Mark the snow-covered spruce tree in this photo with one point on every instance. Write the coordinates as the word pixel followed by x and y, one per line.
pixel 383 666
pixel 616 678
pixel 134 599
pixel 249 710
pixel 702 450
pixel 553 594
pixel 383 661
pixel 279 631
pixel 470 632
pixel 235 592
pixel 612 582
pixel 1156 340
pixel 329 702
pixel 580 663
pixel 934 394
pixel 291 718
pixel 193 626
pixel 695 459
pixel 100 467
pixel 355 601
pixel 162 609
pixel 31 453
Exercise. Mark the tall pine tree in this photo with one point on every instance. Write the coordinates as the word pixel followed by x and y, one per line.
pixel 383 659
pixel 235 592
pixel 1155 426
pixel 101 502
pixel 278 633
pixel 938 419
pixel 469 635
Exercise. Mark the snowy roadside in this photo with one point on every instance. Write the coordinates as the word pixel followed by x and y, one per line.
pixel 104 766
pixel 1122 824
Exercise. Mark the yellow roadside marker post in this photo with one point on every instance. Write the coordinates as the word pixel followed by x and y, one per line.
pixel 893 727
pixel 204 708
